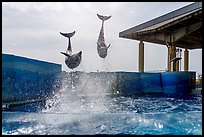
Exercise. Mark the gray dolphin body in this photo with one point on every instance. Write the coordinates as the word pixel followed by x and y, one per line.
pixel 101 46
pixel 72 60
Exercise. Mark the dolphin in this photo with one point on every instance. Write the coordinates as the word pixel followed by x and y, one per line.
pixel 72 60
pixel 101 46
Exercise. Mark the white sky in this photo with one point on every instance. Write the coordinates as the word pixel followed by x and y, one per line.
pixel 32 30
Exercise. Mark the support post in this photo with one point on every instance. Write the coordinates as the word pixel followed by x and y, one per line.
pixel 177 65
pixel 169 58
pixel 141 56
pixel 186 59
pixel 173 56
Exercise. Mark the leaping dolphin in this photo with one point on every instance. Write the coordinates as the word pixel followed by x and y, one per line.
pixel 72 61
pixel 101 46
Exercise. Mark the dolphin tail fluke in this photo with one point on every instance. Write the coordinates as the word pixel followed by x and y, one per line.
pixel 103 18
pixel 68 35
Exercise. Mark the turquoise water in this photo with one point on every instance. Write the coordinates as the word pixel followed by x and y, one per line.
pixel 89 107
pixel 71 113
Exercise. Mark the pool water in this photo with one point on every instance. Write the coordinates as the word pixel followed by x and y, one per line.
pixel 89 115
pixel 89 107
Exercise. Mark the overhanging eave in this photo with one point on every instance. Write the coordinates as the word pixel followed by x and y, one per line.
pixel 183 30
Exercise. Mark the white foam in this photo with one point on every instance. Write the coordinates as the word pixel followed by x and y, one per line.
pixel 84 94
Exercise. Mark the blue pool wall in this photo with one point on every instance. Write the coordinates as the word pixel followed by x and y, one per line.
pixel 25 78
pixel 137 83
pixel 178 82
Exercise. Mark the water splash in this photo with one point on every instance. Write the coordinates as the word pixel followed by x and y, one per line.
pixel 81 93
pixel 82 106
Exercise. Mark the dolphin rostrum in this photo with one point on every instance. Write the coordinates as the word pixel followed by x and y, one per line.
pixel 72 61
pixel 101 46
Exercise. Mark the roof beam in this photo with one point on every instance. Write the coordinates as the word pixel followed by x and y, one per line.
pixel 180 33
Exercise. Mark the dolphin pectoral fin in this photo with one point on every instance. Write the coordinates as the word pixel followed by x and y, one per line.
pixel 65 54
pixel 108 46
